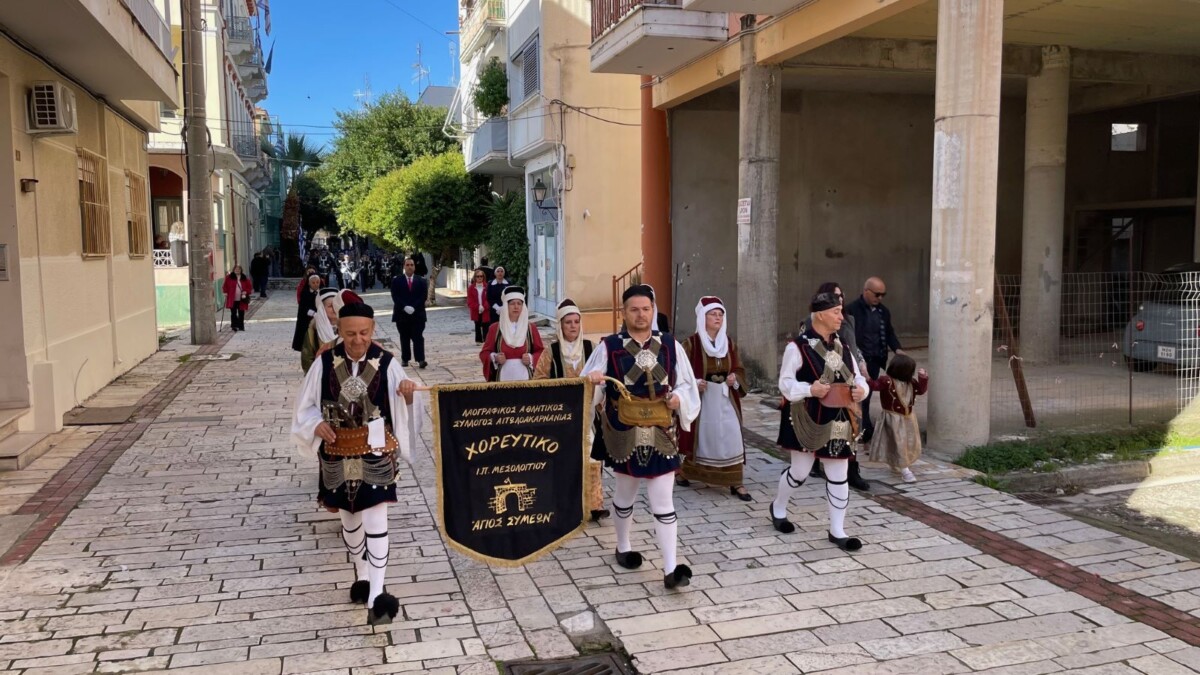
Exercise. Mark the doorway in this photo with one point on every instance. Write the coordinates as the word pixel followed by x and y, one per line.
pixel 14 372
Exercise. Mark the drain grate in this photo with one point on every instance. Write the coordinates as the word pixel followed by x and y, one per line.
pixel 598 664
pixel 1039 499
pixel 82 417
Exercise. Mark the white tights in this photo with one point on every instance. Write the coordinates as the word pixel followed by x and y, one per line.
pixel 660 494
pixel 366 537
pixel 837 491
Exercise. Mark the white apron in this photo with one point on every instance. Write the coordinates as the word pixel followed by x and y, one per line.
pixel 513 370
pixel 719 438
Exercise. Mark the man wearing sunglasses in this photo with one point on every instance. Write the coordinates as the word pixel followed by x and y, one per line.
pixel 876 337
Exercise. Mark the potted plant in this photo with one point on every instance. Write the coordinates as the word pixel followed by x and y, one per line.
pixel 491 92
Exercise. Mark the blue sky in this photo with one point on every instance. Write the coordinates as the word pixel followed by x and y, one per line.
pixel 324 50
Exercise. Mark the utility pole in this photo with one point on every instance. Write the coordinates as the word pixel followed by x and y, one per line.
pixel 199 202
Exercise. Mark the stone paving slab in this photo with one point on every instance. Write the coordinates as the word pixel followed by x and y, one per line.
pixel 200 550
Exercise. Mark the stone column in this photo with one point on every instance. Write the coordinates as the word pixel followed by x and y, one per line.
pixel 966 152
pixel 1045 198
pixel 756 316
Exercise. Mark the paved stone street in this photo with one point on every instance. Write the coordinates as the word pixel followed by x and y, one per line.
pixel 189 539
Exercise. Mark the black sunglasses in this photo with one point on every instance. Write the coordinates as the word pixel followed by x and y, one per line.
pixel 878 294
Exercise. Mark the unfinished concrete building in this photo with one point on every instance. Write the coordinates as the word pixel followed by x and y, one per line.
pixel 935 144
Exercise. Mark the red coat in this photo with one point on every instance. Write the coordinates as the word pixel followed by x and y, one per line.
pixel 229 288
pixel 489 346
pixel 480 309
pixel 887 394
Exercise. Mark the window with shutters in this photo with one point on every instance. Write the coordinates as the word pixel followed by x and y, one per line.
pixel 137 220
pixel 93 204
pixel 530 67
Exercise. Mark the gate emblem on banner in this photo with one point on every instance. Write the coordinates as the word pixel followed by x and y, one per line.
pixel 511 462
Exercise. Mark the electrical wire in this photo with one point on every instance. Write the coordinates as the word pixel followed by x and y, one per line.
pixel 418 20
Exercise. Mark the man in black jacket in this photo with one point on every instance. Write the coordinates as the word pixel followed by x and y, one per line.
pixel 408 299
pixel 876 337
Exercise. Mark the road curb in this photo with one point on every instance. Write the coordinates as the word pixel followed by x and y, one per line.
pixel 1099 475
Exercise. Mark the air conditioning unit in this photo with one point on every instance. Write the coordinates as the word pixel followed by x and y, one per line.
pixel 51 109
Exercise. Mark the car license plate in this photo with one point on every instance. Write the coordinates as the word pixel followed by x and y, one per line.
pixel 1166 353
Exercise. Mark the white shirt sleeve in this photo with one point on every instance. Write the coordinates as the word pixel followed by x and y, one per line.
pixel 792 389
pixel 406 419
pixel 597 362
pixel 859 380
pixel 308 412
pixel 686 388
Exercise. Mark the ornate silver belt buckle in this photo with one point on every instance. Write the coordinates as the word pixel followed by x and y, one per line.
pixel 352 469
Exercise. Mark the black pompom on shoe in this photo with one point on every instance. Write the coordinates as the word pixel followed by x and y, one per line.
pixel 598 514
pixel 681 576
pixel 360 591
pixel 630 560
pixel 386 608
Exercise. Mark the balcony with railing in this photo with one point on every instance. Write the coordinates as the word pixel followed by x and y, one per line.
pixel 486 149
pixel 240 34
pixel 651 37
pixel 151 21
pixel 760 7
pixel 246 146
pixel 486 17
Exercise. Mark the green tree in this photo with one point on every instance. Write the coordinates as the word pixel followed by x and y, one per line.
pixel 299 156
pixel 505 238
pixel 316 212
pixel 431 205
pixel 491 92
pixel 374 141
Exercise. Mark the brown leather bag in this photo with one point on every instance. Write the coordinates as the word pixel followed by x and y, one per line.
pixel 839 396
pixel 353 443
pixel 641 412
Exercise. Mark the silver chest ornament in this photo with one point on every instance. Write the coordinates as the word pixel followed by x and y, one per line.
pixel 646 360
pixel 353 388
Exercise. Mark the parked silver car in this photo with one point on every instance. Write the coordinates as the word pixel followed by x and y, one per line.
pixel 1166 327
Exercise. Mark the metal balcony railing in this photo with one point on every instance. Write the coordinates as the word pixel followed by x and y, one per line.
pixel 608 13
pixel 147 16
pixel 491 137
pixel 246 146
pixel 240 29
pixel 484 12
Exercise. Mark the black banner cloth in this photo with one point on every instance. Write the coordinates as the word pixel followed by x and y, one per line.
pixel 511 466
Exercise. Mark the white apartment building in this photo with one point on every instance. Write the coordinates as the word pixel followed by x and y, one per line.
pixel 235 83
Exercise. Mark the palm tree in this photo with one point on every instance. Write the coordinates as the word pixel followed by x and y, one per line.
pixel 299 155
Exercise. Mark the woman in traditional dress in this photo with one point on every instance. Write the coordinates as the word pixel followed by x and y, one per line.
pixel 512 347
pixel 713 450
pixel 306 303
pixel 322 331
pixel 565 359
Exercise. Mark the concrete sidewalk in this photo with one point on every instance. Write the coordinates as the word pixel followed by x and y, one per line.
pixel 189 539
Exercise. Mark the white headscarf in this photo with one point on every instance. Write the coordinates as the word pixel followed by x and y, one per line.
pixel 325 329
pixel 719 348
pixel 571 350
pixel 514 334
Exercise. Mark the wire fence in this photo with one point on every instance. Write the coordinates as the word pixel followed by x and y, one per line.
pixel 1128 353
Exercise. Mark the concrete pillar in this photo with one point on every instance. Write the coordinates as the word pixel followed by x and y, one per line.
pixel 656 202
pixel 1046 115
pixel 962 256
pixel 756 316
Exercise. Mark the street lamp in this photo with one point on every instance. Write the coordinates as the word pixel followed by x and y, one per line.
pixel 539 196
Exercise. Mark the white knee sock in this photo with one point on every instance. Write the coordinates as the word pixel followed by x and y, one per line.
pixel 354 538
pixel 375 522
pixel 837 493
pixel 624 495
pixel 660 492
pixel 791 480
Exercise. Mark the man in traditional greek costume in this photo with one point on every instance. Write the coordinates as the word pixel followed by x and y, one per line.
pixel 651 366
pixel 819 378
pixel 565 358
pixel 354 413
pixel 512 347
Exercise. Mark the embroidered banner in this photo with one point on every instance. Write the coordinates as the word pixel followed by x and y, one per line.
pixel 510 466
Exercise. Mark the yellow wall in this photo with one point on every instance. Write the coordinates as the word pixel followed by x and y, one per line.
pixel 86 321
pixel 606 180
